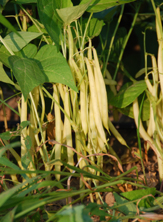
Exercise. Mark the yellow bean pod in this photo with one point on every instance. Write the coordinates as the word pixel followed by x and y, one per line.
pixel 83 98
pixel 61 91
pixel 58 130
pixel 103 94
pixel 67 132
pixel 142 131
pixel 116 133
pixel 95 106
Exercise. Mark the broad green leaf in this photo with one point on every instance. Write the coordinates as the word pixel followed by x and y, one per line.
pixel 127 208
pixel 24 124
pixel 16 42
pixel 94 27
pixel 50 19
pixel 7 24
pixel 4 55
pixel 136 194
pixel 27 73
pixel 127 96
pixel 9 217
pixel 70 14
pixel 8 135
pixel 29 51
pixel 54 66
pixel 107 15
pixel 100 5
pixel 4 77
pixel 33 28
pixel 128 110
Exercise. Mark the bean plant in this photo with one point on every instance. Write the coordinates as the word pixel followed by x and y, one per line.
pixel 79 99
pixel 51 63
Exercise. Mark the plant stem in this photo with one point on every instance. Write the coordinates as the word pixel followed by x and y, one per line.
pixel 126 40
pixel 112 39
pixel 35 23
pixel 85 31
pixel 45 157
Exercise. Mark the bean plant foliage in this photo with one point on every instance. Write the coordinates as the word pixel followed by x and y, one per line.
pixel 64 85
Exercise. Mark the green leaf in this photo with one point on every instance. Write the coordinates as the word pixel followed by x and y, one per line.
pixel 25 1
pixel 9 193
pixel 27 73
pixel 95 209
pixel 100 5
pixel 3 2
pixel 127 208
pixel 54 66
pixel 128 110
pixel 107 15
pixel 9 134
pixel 7 24
pixel 73 214
pixel 50 19
pixel 70 14
pixel 94 27
pixel 4 77
pixel 4 55
pixel 26 159
pixel 16 42
pixel 9 217
pixel 29 51
pixel 9 146
pixel 126 96
pixel 28 142
pixel 5 162
pixel 136 194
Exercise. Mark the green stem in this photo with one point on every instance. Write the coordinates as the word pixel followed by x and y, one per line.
pixel 43 105
pixel 112 39
pixel 139 141
pixel 85 31
pixel 35 23
pixel 45 157
pixel 157 18
pixel 126 40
